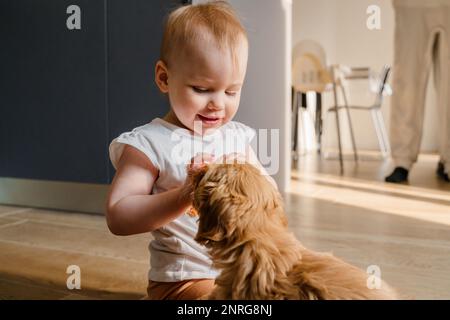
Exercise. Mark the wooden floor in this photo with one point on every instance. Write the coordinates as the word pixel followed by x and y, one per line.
pixel 402 229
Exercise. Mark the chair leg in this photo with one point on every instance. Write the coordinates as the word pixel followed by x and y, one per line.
pixel 302 130
pixel 341 162
pixel 384 135
pixel 355 152
pixel 325 138
pixel 376 125
pixel 303 106
pixel 294 130
pixel 319 121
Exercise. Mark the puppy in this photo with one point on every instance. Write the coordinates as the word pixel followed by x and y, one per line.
pixel 244 227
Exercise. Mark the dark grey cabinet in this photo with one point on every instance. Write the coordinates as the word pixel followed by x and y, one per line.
pixel 66 93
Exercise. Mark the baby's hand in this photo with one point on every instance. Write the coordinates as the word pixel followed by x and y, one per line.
pixel 234 157
pixel 197 162
pixel 200 160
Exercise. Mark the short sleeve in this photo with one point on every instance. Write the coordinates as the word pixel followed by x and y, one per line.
pixel 250 133
pixel 137 140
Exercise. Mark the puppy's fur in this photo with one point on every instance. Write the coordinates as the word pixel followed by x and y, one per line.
pixel 243 224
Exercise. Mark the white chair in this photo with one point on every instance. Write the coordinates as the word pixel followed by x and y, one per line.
pixel 378 85
pixel 309 74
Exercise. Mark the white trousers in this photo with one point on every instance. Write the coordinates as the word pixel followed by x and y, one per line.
pixel 422 39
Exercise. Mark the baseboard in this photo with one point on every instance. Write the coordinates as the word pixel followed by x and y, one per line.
pixel 69 196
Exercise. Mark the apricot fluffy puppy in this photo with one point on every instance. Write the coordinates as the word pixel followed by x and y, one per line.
pixel 243 224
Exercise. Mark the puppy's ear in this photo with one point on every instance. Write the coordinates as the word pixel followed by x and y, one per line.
pixel 214 235
pixel 209 229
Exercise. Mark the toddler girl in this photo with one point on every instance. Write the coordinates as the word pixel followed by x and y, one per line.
pixel 201 69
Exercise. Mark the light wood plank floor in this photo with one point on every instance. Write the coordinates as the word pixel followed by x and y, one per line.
pixel 403 229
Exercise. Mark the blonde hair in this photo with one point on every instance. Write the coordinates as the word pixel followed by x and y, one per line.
pixel 188 23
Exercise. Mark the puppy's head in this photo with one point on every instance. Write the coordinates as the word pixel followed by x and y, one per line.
pixel 233 201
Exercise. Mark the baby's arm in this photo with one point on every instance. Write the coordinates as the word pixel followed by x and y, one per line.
pixel 130 209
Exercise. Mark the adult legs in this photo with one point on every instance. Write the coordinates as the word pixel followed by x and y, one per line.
pixel 412 58
pixel 441 80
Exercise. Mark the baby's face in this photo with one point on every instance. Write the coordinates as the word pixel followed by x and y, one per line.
pixel 204 85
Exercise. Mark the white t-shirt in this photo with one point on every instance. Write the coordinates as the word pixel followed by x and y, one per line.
pixel 174 254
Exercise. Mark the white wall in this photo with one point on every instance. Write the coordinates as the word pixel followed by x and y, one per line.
pixel 340 26
pixel 265 101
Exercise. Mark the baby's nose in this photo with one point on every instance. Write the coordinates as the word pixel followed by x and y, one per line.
pixel 217 103
pixel 214 106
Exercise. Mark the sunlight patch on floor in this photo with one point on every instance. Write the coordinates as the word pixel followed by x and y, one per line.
pixel 402 200
pixel 375 186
